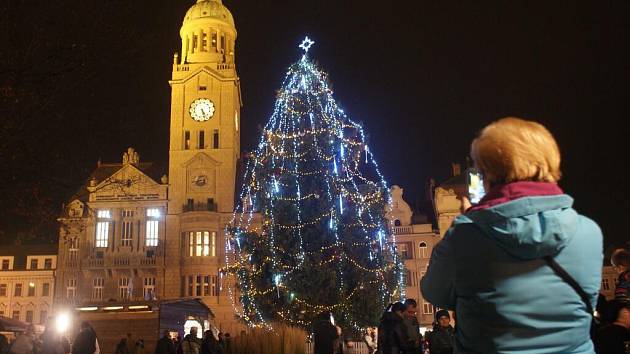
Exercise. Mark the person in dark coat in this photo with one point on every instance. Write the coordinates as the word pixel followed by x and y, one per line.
pixel 121 347
pixel 210 344
pixel 392 332
pixel 85 341
pixel 165 345
pixel 413 326
pixel 610 338
pixel 442 338
pixel 4 344
pixel 324 334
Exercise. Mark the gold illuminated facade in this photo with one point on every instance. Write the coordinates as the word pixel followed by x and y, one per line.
pixel 137 232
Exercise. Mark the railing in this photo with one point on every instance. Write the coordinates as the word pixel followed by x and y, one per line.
pixel 121 262
pixel 357 348
pixel 200 207
pixel 147 261
pixel 96 262
pixel 225 66
pixel 402 230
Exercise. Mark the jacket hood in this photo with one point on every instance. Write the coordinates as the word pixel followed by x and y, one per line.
pixel 529 227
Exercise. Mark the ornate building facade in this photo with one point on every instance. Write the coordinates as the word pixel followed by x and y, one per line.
pixel 132 233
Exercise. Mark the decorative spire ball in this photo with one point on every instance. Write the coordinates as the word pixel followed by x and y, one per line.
pixel 309 233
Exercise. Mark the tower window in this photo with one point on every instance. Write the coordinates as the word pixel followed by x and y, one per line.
pixel 202 139
pixel 216 139
pixel 222 44
pixel 202 88
pixel 214 40
pixel 187 140
pixel 204 40
pixel 194 42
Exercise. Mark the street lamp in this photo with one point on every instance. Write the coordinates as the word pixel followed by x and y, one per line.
pixel 62 322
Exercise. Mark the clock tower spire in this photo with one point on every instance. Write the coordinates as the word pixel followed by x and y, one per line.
pixel 203 154
pixel 205 111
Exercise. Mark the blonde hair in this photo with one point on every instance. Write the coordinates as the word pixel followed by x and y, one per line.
pixel 513 149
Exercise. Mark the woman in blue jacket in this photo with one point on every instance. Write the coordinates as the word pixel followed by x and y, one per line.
pixel 490 266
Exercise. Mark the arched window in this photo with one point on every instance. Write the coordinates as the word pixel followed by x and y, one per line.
pixel 424 250
pixel 397 222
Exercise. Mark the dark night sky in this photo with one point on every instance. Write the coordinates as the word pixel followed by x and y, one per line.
pixel 422 76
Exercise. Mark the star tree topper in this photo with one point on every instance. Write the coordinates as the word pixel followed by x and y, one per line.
pixel 306 44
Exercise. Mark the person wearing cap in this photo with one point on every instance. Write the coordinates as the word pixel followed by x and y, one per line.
pixel 498 265
pixel 441 339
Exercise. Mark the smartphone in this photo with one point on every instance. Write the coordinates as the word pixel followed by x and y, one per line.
pixel 476 190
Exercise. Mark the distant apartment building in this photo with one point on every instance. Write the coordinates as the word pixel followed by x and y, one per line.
pixel 414 243
pixel 27 281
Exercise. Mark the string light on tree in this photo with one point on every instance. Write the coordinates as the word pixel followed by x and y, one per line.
pixel 309 233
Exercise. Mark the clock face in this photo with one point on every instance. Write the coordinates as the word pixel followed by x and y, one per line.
pixel 200 180
pixel 201 109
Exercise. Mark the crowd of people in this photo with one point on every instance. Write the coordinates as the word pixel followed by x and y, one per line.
pixel 398 332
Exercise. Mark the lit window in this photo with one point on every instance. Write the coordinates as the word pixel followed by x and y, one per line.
pixel 427 308
pixel 123 288
pixel 152 232
pixel 202 243
pixel 31 289
pixel 71 290
pixel 403 250
pixel 102 234
pixel 214 285
pixel 206 285
pixel 605 284
pixel 148 289
pixel 73 251
pixel 46 289
pixel 186 140
pixel 407 277
pixel 198 287
pixel 18 290
pixel 153 212
pixel 204 40
pixel 48 263
pixel 424 250
pixel 103 214
pixel 97 288
pixel 126 237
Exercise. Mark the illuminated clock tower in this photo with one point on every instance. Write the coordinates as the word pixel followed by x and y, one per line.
pixel 203 154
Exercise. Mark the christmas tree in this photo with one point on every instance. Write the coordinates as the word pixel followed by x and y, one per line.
pixel 309 233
